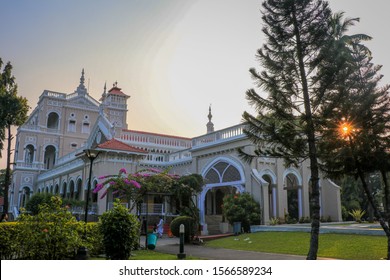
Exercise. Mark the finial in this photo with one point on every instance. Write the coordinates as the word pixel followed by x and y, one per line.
pixel 82 79
pixel 105 87
pixel 81 88
pixel 210 115
pixel 210 125
pixel 115 84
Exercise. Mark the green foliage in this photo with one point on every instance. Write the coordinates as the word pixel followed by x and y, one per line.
pixel 13 111
pixel 120 231
pixel 190 227
pixel 242 208
pixel 304 220
pixel 11 248
pixel 94 239
pixel 8 247
pixel 274 221
pixel 357 214
pixel 52 234
pixel 35 201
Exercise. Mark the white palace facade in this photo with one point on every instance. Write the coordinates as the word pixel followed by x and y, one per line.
pixel 49 158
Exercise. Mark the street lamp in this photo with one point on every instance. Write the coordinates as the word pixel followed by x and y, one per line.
pixel 91 155
pixel 82 253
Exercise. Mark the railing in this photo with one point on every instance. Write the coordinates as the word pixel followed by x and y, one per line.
pixel 152 209
pixel 40 128
pixel 92 209
pixel 110 205
pixel 29 165
pixel 54 94
pixel 220 135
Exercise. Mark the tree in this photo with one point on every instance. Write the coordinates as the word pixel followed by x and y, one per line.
pixel 302 66
pixel 13 111
pixel 356 141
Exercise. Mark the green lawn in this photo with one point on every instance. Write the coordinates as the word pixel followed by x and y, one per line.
pixel 153 255
pixel 338 246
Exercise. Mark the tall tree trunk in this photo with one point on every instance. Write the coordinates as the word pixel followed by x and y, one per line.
pixel 370 197
pixel 387 207
pixel 315 201
pixel 7 178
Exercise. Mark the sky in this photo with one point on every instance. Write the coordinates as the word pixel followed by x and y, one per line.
pixel 173 57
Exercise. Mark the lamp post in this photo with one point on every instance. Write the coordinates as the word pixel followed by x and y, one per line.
pixel 91 155
pixel 82 253
pixel 181 254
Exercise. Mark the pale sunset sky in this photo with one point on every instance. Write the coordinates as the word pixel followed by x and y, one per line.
pixel 173 57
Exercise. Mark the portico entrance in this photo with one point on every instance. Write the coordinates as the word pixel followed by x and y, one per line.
pixel 222 176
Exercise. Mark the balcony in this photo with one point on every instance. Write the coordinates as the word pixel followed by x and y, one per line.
pixel 223 135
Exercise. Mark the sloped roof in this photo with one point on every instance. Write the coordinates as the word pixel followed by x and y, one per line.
pixel 117 145
pixel 117 91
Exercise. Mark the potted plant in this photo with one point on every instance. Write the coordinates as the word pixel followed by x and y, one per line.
pixel 242 211
pixel 224 225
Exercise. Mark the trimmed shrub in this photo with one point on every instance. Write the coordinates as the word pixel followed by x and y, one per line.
pixel 120 231
pixel 9 248
pixel 189 225
pixel 94 240
pixel 52 234
pixel 36 200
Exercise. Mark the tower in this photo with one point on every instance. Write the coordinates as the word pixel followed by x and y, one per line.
pixel 114 105
pixel 210 125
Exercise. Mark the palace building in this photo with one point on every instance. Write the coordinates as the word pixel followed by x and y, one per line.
pixel 49 158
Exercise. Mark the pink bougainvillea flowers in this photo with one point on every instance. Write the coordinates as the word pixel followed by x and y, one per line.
pixel 98 188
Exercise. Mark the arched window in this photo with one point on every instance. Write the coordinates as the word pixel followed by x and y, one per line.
pixel 71 190
pixel 29 154
pixel 63 192
pixel 78 189
pixel 53 120
pixel 222 172
pixel 50 156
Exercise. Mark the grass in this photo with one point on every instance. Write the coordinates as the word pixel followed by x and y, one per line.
pixel 337 246
pixel 150 255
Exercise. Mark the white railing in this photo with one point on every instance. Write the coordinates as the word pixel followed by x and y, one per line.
pixel 92 209
pixel 110 205
pixel 220 135
pixel 152 209
pixel 29 165
pixel 39 128
pixel 54 94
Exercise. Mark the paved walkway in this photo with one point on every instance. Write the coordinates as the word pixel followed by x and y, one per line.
pixel 171 245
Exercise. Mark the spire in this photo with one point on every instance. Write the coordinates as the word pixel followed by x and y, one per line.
pixel 210 125
pixel 82 79
pixel 81 88
pixel 210 115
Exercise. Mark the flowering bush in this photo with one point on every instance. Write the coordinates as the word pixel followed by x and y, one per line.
pixel 132 187
pixel 241 208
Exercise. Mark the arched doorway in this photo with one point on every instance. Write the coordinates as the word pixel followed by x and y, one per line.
pixel 293 187
pixel 222 176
